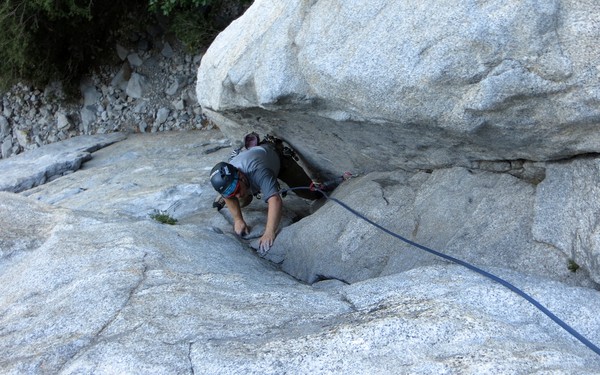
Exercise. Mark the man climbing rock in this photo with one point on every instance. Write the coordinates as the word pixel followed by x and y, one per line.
pixel 254 171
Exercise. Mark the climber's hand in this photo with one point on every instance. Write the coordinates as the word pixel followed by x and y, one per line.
pixel 265 242
pixel 241 228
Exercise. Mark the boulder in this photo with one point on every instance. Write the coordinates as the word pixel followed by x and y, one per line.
pixel 90 92
pixel 458 81
pixel 22 137
pixel 162 115
pixel 137 85
pixel 122 52
pixel 4 127
pixel 63 122
pixel 88 118
pixel 167 50
pixel 121 78
pixel 135 60
pixel 475 216
pixel 6 148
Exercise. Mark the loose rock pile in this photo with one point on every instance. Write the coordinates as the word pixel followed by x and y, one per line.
pixel 152 91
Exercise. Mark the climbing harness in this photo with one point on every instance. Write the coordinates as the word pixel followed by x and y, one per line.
pixel 280 147
pixel 490 276
pixel 331 184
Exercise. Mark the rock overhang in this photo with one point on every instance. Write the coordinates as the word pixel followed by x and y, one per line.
pixel 493 81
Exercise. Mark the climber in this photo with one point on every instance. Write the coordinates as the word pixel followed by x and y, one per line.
pixel 255 170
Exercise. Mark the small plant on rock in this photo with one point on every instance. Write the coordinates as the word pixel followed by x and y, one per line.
pixel 163 217
pixel 572 266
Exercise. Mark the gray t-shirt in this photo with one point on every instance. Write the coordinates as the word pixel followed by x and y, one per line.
pixel 261 165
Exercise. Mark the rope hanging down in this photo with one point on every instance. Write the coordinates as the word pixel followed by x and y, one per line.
pixel 473 268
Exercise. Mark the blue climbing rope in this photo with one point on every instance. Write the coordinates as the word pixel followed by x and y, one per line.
pixel 473 268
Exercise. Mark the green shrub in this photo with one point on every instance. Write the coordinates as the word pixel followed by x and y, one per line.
pixel 167 7
pixel 197 22
pixel 163 217
pixel 194 30
pixel 572 265
pixel 44 40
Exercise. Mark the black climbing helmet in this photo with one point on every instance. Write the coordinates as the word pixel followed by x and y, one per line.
pixel 225 178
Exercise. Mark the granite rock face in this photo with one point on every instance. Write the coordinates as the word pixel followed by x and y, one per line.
pixel 89 283
pixel 455 112
pixel 486 219
pixel 567 211
pixel 25 171
pixel 450 111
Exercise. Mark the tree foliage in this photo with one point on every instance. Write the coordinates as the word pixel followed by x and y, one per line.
pixel 167 7
pixel 45 40
pixel 197 22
